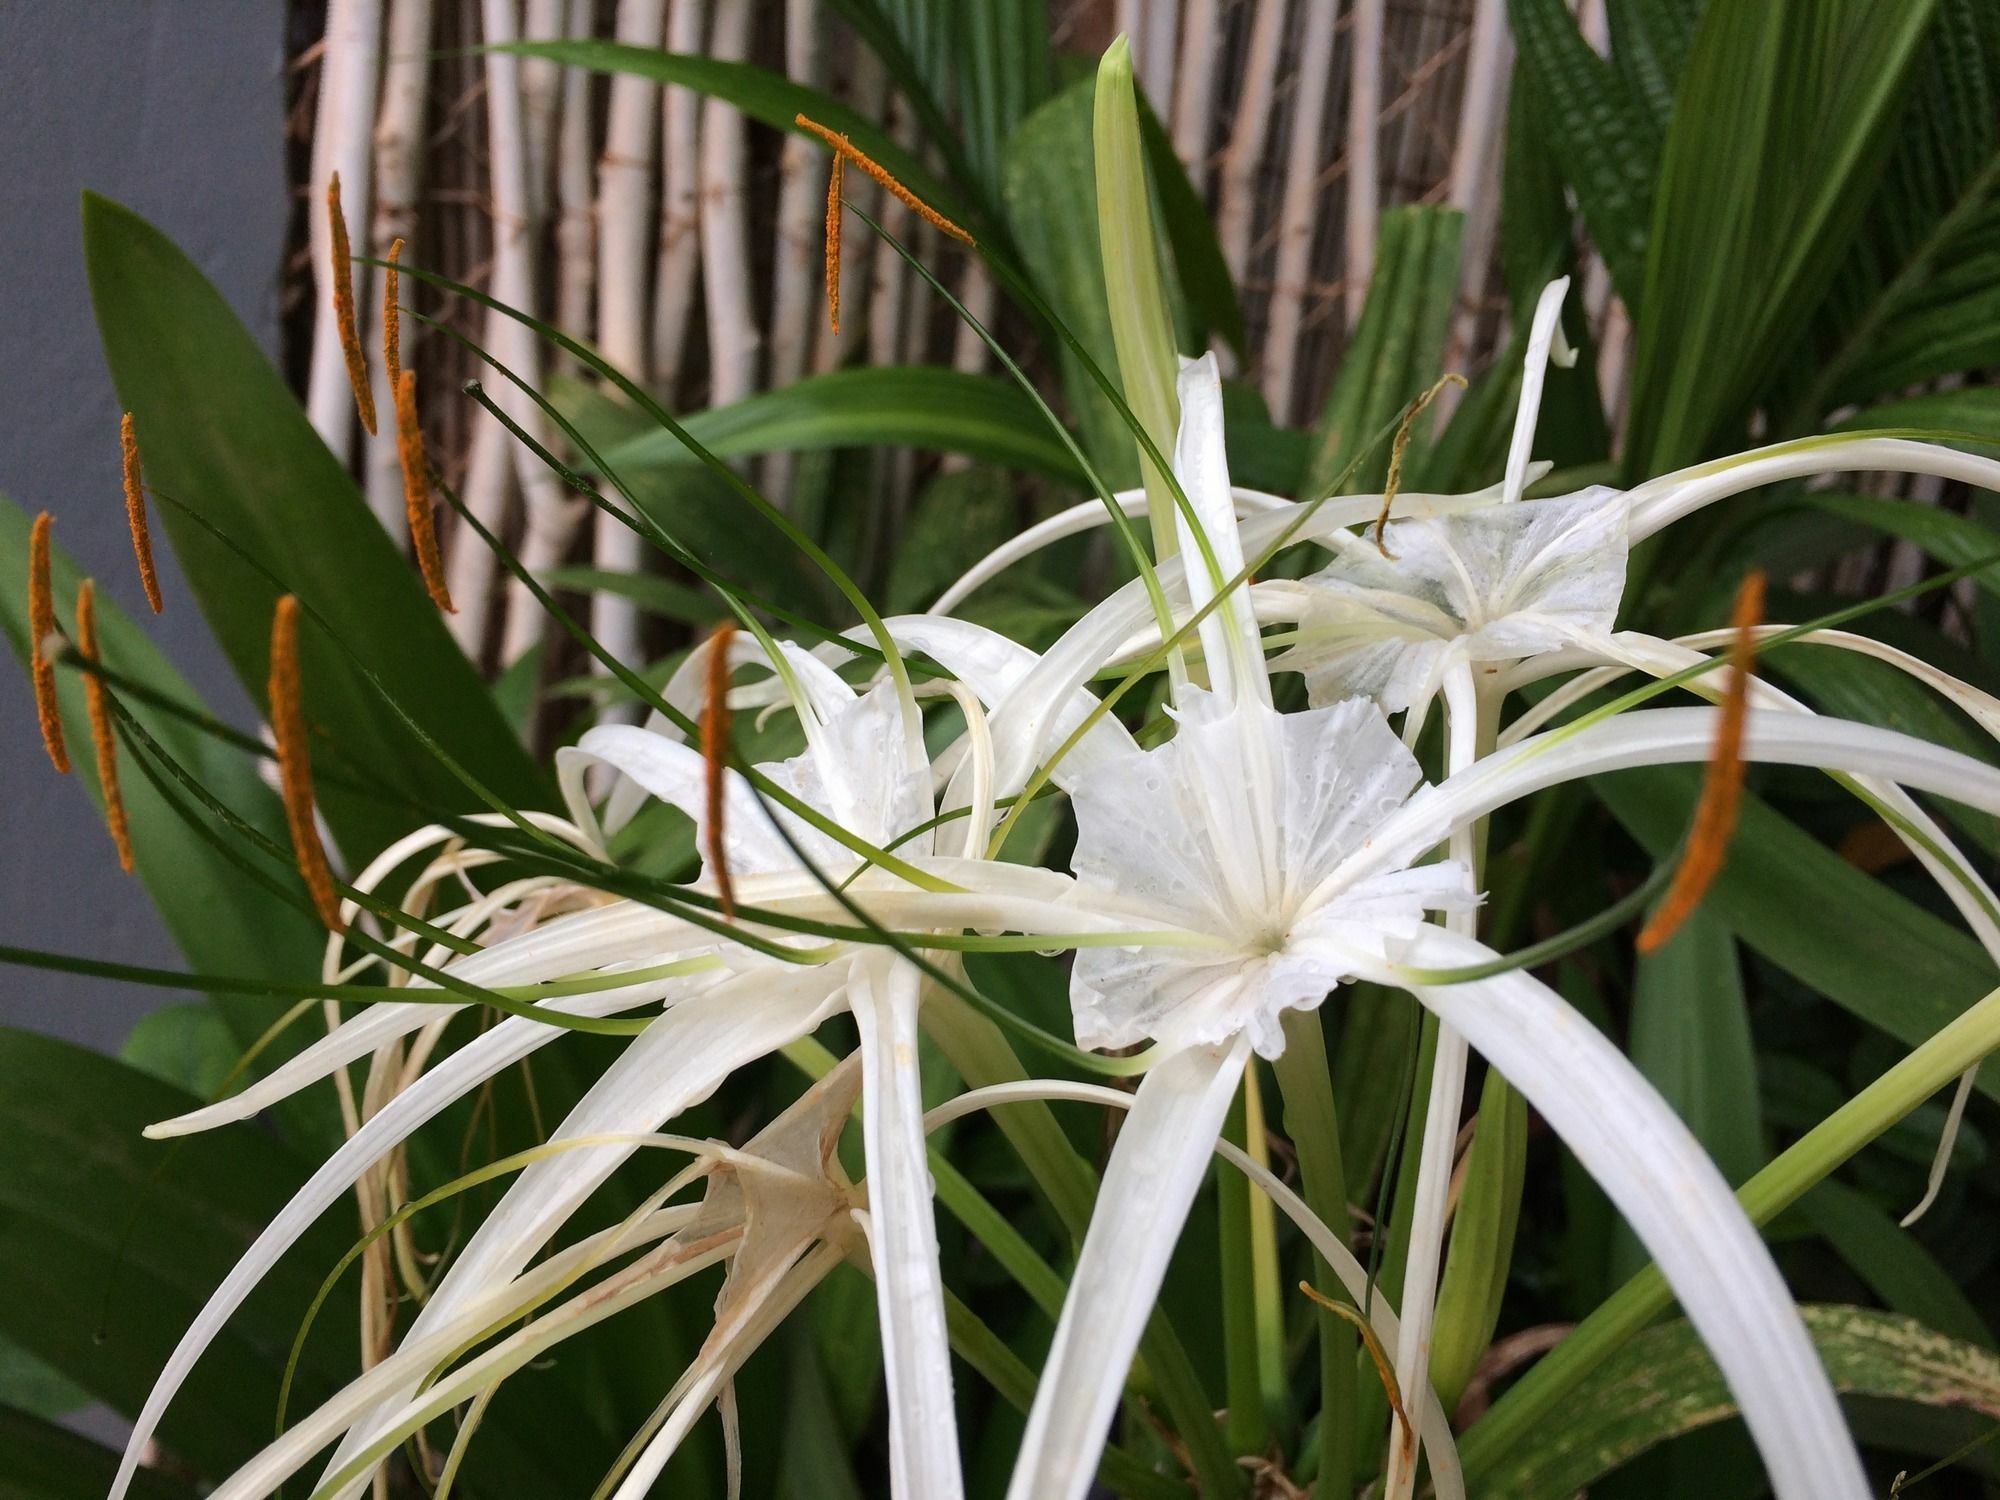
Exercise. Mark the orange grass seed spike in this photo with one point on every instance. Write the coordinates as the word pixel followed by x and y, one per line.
pixel 1721 786
pixel 881 174
pixel 417 492
pixel 715 754
pixel 833 185
pixel 99 701
pixel 392 316
pixel 135 511
pixel 343 306
pixel 42 625
pixel 288 730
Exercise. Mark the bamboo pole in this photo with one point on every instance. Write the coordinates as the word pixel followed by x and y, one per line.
pixel 1364 111
pixel 342 144
pixel 1244 155
pixel 625 233
pixel 796 258
pixel 1474 187
pixel 1298 213
pixel 735 339
pixel 541 98
pixel 399 165
pixel 677 276
pixel 576 223
pixel 1194 89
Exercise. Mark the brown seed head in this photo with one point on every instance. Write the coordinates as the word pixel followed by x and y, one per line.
pixel 42 625
pixel 343 307
pixel 392 316
pixel 1722 785
pixel 833 219
pixel 417 492
pixel 98 698
pixel 288 730
pixel 715 753
pixel 135 511
pixel 1393 485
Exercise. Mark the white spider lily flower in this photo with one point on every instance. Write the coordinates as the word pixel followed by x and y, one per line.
pixel 1290 841
pixel 861 772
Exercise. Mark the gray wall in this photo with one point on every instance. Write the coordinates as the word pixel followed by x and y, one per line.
pixel 174 107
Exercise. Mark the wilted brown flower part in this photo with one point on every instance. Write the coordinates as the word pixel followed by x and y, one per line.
pixel 100 726
pixel 417 492
pixel 135 512
pixel 1393 485
pixel 844 151
pixel 41 625
pixel 392 316
pixel 288 729
pixel 343 307
pixel 715 752
pixel 1722 785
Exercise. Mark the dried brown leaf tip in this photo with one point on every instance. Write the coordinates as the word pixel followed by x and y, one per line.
pixel 1722 785
pixel 42 625
pixel 135 511
pixel 1393 485
pixel 845 151
pixel 392 315
pixel 1385 1371
pixel 343 306
pixel 715 722
pixel 98 698
pixel 417 492
pixel 288 730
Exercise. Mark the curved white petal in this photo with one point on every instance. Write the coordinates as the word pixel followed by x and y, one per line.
pixel 902 1235
pixel 1149 1185
pixel 1659 503
pixel 1545 343
pixel 1201 464
pixel 1432 1422
pixel 673 1065
pixel 1678 1204
pixel 480 1059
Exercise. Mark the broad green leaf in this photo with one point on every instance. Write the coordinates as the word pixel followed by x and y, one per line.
pixel 1664 1383
pixel 77 1176
pixel 188 1045
pixel 1649 48
pixel 1003 73
pixel 221 921
pixel 1919 293
pixel 767 97
pixel 1198 260
pixel 32 1386
pixel 1606 142
pixel 1397 350
pixel 220 433
pixel 659 596
pixel 959 516
pixel 47 1462
pixel 1969 409
pixel 913 406
pixel 1377 1036
pixel 1872 952
pixel 1051 200
pixel 1690 1036
pixel 1784 118
pixel 1951 539
pixel 1892 1260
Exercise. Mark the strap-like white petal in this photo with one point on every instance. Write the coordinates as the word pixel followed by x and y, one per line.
pixel 1545 343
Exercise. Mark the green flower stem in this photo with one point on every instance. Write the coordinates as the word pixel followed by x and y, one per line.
pixel 1539 1395
pixel 1245 1427
pixel 1306 1084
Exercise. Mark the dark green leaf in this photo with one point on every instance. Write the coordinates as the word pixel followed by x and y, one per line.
pixel 1892 1260
pixel 46 1462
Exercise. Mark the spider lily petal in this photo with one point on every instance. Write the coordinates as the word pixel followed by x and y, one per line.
pixel 1546 345
pixel 1638 1151
pixel 1149 1185
pixel 902 1235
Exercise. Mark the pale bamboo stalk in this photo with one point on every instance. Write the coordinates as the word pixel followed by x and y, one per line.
pixel 979 295
pixel 678 274
pixel 1244 154
pixel 549 515
pixel 734 339
pixel 885 298
pixel 1364 111
pixel 576 223
pixel 1298 214
pixel 471 569
pixel 399 165
pixel 342 143
pixel 541 96
pixel 1194 89
pixel 1154 50
pixel 796 257
pixel 801 211
pixel 1475 178
pixel 625 230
